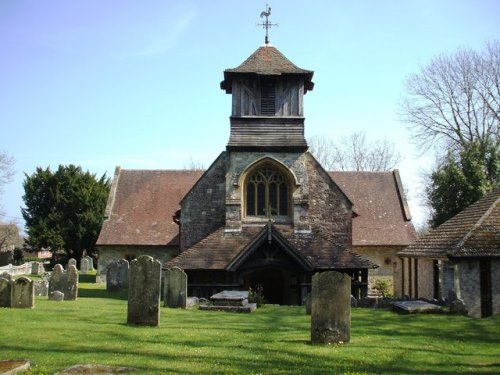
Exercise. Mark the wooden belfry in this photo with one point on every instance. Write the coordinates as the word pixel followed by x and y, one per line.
pixel 266 24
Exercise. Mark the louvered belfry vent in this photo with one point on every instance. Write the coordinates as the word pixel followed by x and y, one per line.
pixel 268 99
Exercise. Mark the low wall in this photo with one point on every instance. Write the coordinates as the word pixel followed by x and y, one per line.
pixel 23 269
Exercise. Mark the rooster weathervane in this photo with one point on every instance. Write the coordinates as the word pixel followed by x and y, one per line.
pixel 266 24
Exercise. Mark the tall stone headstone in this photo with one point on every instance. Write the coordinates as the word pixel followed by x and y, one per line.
pixel 330 308
pixel 37 268
pixel 22 294
pixel 117 275
pixel 90 262
pixel 84 265
pixel 64 281
pixel 5 289
pixel 144 291
pixel 71 262
pixel 175 288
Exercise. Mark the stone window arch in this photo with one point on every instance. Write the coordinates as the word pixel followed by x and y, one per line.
pixel 267 192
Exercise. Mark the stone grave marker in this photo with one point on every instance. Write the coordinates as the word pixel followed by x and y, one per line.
pixel 5 289
pixel 90 262
pixel 37 268
pixel 175 288
pixel 84 265
pixel 22 293
pixel 42 288
pixel 117 275
pixel 56 296
pixel 65 282
pixel 144 291
pixel 71 262
pixel 330 308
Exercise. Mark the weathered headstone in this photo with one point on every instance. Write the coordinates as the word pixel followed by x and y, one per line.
pixel 90 262
pixel 84 265
pixel 71 262
pixel 458 307
pixel 117 275
pixel 22 294
pixel 175 288
pixel 41 288
pixel 37 268
pixel 144 291
pixel 56 296
pixel 330 308
pixel 64 281
pixel 5 288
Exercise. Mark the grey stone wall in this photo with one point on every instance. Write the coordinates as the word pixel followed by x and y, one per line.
pixel 203 208
pixel 109 254
pixel 468 287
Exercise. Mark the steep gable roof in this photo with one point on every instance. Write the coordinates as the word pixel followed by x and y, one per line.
pixel 474 232
pixel 267 60
pixel 379 201
pixel 141 204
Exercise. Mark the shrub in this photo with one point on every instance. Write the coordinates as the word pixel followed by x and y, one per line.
pixel 383 286
pixel 256 295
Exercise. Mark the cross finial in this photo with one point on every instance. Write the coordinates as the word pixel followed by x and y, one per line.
pixel 266 24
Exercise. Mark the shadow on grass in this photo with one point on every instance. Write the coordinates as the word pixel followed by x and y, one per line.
pixel 102 293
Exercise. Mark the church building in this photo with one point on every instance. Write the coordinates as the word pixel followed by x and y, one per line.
pixel 265 212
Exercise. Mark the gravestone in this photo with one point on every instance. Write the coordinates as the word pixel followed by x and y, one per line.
pixel 56 296
pixel 5 288
pixel 37 268
pixel 90 262
pixel 84 265
pixel 144 291
pixel 117 275
pixel 175 288
pixel 71 262
pixel 330 308
pixel 22 293
pixel 64 281
pixel 42 288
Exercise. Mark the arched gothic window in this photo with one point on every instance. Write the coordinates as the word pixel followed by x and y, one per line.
pixel 267 189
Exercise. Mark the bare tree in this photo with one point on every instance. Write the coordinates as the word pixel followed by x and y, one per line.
pixel 355 153
pixel 454 99
pixel 194 165
pixel 6 170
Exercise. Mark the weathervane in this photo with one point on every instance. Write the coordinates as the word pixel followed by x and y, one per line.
pixel 266 24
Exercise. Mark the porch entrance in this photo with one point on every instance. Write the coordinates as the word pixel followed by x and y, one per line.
pixel 279 286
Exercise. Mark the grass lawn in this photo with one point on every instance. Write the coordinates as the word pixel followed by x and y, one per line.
pixel 274 339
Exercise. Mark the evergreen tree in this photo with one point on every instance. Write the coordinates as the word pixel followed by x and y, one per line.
pixel 64 209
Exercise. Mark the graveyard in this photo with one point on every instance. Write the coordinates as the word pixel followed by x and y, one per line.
pixel 93 329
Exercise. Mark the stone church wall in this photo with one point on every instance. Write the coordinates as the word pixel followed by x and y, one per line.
pixel 495 285
pixel 203 209
pixel 468 286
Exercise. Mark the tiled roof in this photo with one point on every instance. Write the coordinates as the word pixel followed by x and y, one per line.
pixel 220 248
pixel 383 216
pixel 474 232
pixel 267 60
pixel 141 205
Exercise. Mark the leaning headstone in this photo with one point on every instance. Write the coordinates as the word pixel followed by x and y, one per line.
pixel 71 262
pixel 175 288
pixel 64 281
pixel 5 289
pixel 144 291
pixel 117 275
pixel 41 288
pixel 330 308
pixel 56 296
pixel 22 294
pixel 354 301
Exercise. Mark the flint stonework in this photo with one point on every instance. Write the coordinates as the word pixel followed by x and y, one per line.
pixel 175 288
pixel 144 291
pixel 330 308
pixel 5 288
pixel 22 293
pixel 41 288
pixel 117 275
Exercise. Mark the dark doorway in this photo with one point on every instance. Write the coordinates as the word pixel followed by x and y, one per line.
pixel 485 285
pixel 435 278
pixel 276 285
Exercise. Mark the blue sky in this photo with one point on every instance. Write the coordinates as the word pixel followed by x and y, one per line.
pixel 101 83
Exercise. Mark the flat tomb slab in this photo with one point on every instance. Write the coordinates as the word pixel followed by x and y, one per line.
pixel 9 367
pixel 249 307
pixel 411 307
pixel 231 295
